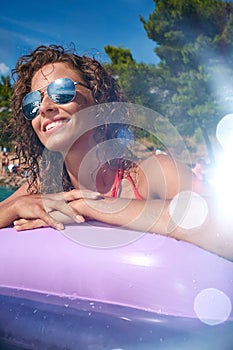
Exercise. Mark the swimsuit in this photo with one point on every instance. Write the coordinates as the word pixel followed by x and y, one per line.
pixel 117 182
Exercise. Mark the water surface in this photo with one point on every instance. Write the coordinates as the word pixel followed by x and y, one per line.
pixel 5 191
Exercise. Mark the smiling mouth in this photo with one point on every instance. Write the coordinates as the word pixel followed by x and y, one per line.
pixel 55 124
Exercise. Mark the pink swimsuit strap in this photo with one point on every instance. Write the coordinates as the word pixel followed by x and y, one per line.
pixel 117 181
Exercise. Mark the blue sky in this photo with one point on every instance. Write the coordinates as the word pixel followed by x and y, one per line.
pixel 89 24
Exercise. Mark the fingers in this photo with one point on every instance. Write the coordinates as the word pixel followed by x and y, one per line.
pixel 78 194
pixel 28 224
pixel 51 204
pixel 80 218
pixel 24 224
pixel 30 208
pixel 50 221
pixel 66 219
pixel 49 210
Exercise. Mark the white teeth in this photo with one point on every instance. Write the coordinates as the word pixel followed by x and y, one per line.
pixel 53 124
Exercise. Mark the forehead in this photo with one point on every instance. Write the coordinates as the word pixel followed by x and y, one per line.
pixel 50 72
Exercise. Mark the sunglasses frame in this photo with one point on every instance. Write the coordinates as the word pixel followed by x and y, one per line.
pixel 45 88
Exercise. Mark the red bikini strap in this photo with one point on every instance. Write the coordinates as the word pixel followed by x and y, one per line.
pixel 136 194
pixel 116 184
pixel 117 181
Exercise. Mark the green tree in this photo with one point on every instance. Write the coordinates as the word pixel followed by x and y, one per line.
pixel 195 46
pixel 137 80
pixel 5 113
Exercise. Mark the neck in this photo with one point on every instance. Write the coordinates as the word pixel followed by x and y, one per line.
pixel 81 162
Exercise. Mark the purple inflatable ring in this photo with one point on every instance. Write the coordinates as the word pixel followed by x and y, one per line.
pixel 145 272
pixel 152 272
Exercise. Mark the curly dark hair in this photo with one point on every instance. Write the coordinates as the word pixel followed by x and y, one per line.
pixel 34 159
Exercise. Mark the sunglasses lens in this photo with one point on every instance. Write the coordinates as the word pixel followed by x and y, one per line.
pixel 31 104
pixel 61 90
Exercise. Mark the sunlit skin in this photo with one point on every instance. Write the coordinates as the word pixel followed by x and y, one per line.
pixel 158 179
pixel 58 138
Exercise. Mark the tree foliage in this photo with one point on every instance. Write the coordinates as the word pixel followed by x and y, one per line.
pixel 195 46
pixel 137 80
pixel 192 83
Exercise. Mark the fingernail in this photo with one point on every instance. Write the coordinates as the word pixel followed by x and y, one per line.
pixel 96 195
pixel 60 227
pixel 79 218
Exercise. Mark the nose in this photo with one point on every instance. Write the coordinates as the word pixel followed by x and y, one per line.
pixel 47 106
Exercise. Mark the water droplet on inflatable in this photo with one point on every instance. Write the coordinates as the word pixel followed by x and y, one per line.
pixel 212 306
pixel 126 318
pixel 194 284
pixel 188 209
pixel 73 296
pixel 92 305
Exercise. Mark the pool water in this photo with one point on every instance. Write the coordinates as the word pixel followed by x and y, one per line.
pixel 5 192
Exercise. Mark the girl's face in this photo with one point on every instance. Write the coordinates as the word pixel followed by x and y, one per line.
pixel 55 123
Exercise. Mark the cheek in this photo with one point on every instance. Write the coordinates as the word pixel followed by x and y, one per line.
pixel 83 101
pixel 36 124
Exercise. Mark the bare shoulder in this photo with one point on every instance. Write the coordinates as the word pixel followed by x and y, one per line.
pixel 165 176
pixel 160 160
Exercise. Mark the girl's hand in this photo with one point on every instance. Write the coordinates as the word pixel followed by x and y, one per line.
pixel 29 224
pixel 35 211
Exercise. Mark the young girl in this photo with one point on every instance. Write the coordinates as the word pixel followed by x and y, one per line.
pixel 65 121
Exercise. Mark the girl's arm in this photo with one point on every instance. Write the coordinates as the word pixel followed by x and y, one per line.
pixel 177 205
pixel 154 216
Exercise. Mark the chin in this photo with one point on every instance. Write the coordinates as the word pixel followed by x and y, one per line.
pixel 60 141
pixel 58 144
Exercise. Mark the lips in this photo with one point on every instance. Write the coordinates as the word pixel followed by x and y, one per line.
pixel 50 125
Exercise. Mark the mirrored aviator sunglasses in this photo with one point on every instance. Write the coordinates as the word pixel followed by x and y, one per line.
pixel 60 91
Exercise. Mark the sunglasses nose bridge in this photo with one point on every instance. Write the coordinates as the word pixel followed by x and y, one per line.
pixel 43 92
pixel 46 103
